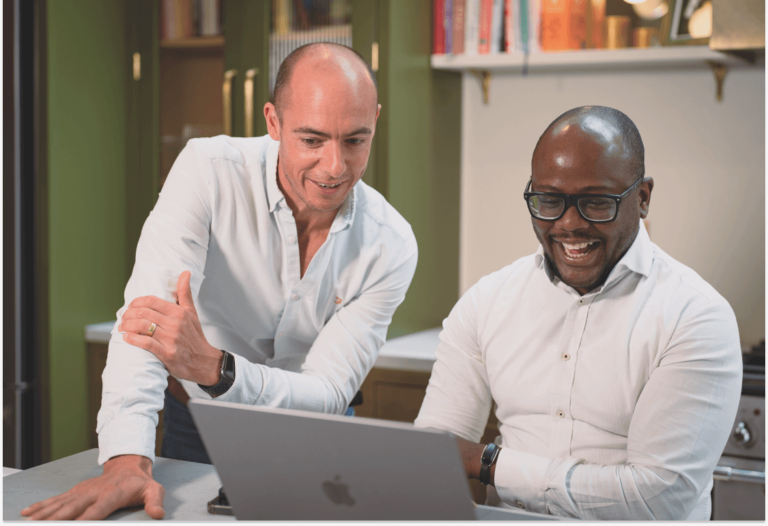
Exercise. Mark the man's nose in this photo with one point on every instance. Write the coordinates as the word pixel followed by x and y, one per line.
pixel 333 160
pixel 571 220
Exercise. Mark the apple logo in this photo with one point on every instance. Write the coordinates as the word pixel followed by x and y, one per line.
pixel 338 492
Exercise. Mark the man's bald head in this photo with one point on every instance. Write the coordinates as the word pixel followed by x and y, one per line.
pixel 610 128
pixel 344 60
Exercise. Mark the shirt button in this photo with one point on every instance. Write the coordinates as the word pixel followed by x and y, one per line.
pixel 566 357
pixel 520 505
pixel 291 240
pixel 295 297
pixel 280 335
pixel 561 414
pixel 581 302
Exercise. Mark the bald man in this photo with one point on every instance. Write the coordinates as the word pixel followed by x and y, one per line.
pixel 614 370
pixel 267 274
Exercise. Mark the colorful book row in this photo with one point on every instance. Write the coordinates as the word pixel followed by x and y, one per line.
pixel 481 27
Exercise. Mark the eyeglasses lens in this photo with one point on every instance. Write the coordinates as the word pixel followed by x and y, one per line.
pixel 592 208
pixel 546 207
pixel 597 208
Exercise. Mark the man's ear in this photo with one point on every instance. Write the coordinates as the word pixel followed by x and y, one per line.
pixel 273 122
pixel 644 195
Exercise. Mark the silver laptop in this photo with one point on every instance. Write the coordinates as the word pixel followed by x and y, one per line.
pixel 278 464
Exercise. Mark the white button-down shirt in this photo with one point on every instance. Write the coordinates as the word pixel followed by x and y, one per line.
pixel 612 405
pixel 303 343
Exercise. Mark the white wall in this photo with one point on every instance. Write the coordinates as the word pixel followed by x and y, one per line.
pixel 707 160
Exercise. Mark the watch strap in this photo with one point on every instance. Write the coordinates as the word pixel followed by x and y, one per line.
pixel 227 377
pixel 488 459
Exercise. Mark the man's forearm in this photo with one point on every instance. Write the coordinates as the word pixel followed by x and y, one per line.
pixel 470 456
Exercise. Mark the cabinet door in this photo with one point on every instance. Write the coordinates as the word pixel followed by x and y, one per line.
pixel 246 51
pixel 142 134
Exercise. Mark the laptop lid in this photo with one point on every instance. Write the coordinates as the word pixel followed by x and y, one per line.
pixel 278 464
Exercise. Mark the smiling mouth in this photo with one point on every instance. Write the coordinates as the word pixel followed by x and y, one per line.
pixel 577 251
pixel 327 186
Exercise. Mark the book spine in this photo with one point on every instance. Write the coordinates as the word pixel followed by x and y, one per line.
pixel 486 22
pixel 509 26
pixel 554 25
pixel 497 27
pixel 595 22
pixel 459 19
pixel 534 26
pixel 448 26
pixel 518 26
pixel 471 27
pixel 524 33
pixel 577 24
pixel 438 35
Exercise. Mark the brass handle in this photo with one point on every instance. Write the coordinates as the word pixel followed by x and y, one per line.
pixel 226 91
pixel 249 76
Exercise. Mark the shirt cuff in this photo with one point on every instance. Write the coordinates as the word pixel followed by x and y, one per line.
pixel 248 383
pixel 129 435
pixel 521 479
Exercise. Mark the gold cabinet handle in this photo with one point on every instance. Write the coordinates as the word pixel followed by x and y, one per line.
pixel 226 91
pixel 249 76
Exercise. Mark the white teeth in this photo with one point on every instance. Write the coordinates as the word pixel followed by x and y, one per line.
pixel 328 185
pixel 570 249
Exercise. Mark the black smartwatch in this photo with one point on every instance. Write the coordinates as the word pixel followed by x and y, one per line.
pixel 488 459
pixel 227 377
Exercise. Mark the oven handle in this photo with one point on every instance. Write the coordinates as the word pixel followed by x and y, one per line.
pixel 738 475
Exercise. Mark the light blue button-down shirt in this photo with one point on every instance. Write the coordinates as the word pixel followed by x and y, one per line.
pixel 299 342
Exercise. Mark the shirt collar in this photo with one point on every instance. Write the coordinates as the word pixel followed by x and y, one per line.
pixel 639 259
pixel 274 195
pixel 346 213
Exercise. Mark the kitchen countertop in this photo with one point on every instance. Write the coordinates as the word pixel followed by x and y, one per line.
pixel 188 488
pixel 414 352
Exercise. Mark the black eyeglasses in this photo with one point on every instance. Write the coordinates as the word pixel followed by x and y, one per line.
pixel 596 208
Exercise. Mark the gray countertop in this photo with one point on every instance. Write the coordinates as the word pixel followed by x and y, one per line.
pixel 188 488
pixel 415 352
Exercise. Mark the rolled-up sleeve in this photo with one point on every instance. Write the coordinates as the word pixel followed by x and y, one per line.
pixel 174 239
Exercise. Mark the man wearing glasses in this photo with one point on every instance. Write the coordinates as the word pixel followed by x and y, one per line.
pixel 614 370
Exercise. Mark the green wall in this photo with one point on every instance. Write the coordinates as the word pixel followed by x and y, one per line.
pixel 86 184
pixel 419 162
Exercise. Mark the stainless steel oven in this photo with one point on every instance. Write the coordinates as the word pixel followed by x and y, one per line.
pixel 739 486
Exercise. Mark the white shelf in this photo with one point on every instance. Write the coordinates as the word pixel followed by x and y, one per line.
pixel 631 58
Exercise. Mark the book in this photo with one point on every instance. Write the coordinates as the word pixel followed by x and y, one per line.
pixel 595 22
pixel 448 26
pixel 509 26
pixel 438 32
pixel 459 14
pixel 563 24
pixel 486 22
pixel 471 26
pixel 577 34
pixel 534 26
pixel 497 27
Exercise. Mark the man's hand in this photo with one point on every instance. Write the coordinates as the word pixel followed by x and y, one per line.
pixel 178 340
pixel 126 482
pixel 470 457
